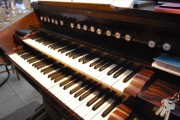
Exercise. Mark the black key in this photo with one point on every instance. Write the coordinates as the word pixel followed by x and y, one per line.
pixel 98 104
pixel 59 78
pixel 58 70
pixel 127 78
pixel 110 108
pixel 40 40
pixel 70 84
pixel 88 58
pixel 56 76
pixel 100 64
pixel 105 66
pixel 75 89
pixel 114 70
pixel 56 46
pixel 63 49
pixel 42 65
pixel 25 56
pixel 125 67
pixel 21 52
pixel 64 71
pixel 31 55
pixel 53 44
pixel 90 102
pixel 27 53
pixel 38 63
pixel 51 68
pixel 95 62
pixel 65 82
pixel 47 62
pixel 78 87
pixel 66 50
pixel 78 55
pixel 87 93
pixel 119 72
pixel 28 57
pixel 85 57
pixel 36 59
pixel 121 63
pixel 135 70
pixel 32 60
pixel 47 70
pixel 71 53
pixel 85 88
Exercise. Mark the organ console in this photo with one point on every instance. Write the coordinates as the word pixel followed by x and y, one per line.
pixel 93 61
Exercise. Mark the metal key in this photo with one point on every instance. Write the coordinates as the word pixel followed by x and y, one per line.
pixel 169 106
pixel 161 107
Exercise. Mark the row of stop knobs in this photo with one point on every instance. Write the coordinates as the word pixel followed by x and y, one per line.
pixel 85 27
pixel 102 31
pixel 128 37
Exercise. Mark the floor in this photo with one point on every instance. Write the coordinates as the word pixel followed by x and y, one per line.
pixel 15 93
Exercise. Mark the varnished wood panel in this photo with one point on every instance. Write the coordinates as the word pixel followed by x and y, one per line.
pixel 6 35
pixel 138 82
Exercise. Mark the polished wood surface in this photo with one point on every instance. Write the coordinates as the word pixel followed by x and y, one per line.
pixel 121 114
pixel 138 82
pixel 125 109
pixel 6 35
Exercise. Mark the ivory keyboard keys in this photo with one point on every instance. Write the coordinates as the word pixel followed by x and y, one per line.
pixel 92 113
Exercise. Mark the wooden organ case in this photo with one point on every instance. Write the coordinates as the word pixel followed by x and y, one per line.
pixel 102 56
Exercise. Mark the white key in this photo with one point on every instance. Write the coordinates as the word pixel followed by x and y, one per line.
pixel 107 116
pixel 56 89
pixel 120 85
pixel 110 80
pixel 98 116
pixel 65 94
pixel 69 96
pixel 82 109
pixel 105 71
pixel 92 113
pixel 37 75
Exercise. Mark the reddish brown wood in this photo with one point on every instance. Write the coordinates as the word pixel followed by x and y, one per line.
pixel 151 98
pixel 121 113
pixel 138 82
pixel 125 108
pixel 146 72
pixel 6 35
pixel 159 90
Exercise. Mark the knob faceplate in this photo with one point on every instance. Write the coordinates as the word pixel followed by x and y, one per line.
pixel 167 46
pixel 118 35
pixel 61 22
pixel 79 26
pixel 56 22
pixel 85 27
pixel 108 33
pixel 152 43
pixel 128 37
pixel 99 31
pixel 72 25
pixel 92 29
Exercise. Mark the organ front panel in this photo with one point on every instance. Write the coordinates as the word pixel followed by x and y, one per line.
pixel 93 61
